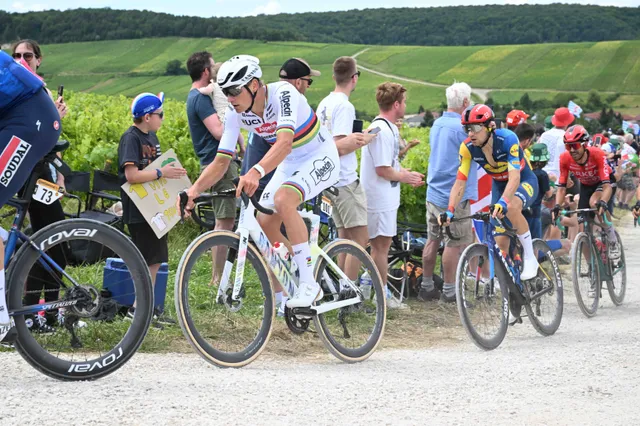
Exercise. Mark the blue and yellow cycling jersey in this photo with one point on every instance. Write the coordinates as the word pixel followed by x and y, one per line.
pixel 507 156
pixel 17 84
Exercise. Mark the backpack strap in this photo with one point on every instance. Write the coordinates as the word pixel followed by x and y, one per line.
pixel 385 120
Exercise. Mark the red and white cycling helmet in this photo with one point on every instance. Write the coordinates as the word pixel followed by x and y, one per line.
pixel 575 134
pixel 477 114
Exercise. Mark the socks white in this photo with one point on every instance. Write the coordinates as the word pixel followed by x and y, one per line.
pixel 527 245
pixel 302 257
pixel 4 310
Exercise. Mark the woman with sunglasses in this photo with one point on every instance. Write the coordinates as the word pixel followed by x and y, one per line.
pixel 589 165
pixel 303 154
pixel 515 186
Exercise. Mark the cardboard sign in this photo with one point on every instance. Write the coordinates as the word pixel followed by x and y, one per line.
pixel 156 199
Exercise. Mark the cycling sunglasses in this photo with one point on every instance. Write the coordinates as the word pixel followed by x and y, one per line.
pixel 475 128
pixel 27 56
pixel 159 114
pixel 308 80
pixel 232 91
pixel 573 146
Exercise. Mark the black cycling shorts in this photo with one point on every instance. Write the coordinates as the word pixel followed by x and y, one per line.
pixel 28 132
pixel 586 191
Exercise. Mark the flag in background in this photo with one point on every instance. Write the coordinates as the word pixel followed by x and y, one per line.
pixel 636 128
pixel 574 108
pixel 625 125
pixel 484 192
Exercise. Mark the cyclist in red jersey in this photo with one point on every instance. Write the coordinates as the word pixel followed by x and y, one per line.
pixel 589 166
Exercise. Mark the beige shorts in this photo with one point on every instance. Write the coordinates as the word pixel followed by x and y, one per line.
pixel 382 223
pixel 350 206
pixel 461 230
pixel 225 208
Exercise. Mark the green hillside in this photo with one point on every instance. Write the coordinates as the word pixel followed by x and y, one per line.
pixel 129 67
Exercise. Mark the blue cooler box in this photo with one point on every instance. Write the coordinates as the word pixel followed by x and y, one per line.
pixel 117 280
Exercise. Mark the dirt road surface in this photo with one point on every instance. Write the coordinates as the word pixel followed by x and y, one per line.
pixel 588 373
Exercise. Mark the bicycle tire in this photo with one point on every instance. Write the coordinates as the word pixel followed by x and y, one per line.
pixel 537 285
pixel 582 240
pixel 217 357
pixel 27 346
pixel 479 250
pixel 352 355
pixel 618 298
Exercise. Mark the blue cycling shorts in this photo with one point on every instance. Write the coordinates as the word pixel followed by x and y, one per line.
pixel 28 132
pixel 527 192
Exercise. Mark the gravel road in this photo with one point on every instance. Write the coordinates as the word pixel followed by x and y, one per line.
pixel 588 373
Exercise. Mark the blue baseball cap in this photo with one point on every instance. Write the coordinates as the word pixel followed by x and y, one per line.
pixel 146 103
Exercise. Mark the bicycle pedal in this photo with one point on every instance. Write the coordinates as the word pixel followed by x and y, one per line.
pixel 516 321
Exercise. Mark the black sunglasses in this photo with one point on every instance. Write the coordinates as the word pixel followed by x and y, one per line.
pixel 159 114
pixel 27 56
pixel 232 91
pixel 357 73
pixel 308 80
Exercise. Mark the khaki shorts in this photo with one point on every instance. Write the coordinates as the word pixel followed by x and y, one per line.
pixel 350 206
pixel 225 208
pixel 461 230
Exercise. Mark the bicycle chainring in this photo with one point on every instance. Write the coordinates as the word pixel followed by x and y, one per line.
pixel 296 324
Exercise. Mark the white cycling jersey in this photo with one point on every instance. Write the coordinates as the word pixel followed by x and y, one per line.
pixel 286 110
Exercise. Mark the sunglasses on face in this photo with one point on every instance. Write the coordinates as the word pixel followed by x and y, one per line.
pixel 308 80
pixel 573 146
pixel 27 56
pixel 232 91
pixel 159 114
pixel 475 128
pixel 357 73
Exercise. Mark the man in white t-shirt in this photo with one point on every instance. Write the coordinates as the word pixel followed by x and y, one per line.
pixel 381 175
pixel 553 139
pixel 337 114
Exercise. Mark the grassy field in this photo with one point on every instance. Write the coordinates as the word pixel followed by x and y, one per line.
pixel 129 67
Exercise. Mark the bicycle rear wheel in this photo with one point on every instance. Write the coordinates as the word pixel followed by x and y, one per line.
pixel 90 337
pixel 545 292
pixel 586 274
pixel 224 332
pixel 351 333
pixel 618 286
pixel 483 306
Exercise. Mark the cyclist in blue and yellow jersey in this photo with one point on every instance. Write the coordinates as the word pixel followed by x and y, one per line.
pixel 515 186
pixel 29 128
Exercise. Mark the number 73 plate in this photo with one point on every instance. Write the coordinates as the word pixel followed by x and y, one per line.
pixel 47 192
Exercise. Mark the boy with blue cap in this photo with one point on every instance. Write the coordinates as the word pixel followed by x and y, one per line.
pixel 139 146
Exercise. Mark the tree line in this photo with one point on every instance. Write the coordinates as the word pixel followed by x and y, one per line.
pixel 446 26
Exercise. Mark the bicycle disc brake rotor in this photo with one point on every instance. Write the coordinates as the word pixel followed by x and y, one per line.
pixel 232 305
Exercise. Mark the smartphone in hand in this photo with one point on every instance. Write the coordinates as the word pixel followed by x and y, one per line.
pixel 60 91
pixel 357 126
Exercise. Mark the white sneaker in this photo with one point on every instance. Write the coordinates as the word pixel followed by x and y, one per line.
pixel 393 303
pixel 530 269
pixel 614 251
pixel 305 296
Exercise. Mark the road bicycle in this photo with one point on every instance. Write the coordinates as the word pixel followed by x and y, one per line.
pixel 229 323
pixel 487 288
pixel 77 330
pixel 591 266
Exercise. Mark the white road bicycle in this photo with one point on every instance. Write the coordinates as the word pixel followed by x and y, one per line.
pixel 230 322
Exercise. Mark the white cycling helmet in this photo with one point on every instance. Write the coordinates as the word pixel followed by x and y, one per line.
pixel 238 71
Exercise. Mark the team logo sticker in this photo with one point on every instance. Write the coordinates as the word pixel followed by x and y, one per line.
pixel 11 158
pixel 322 170
pixel 527 187
pixel 514 150
pixel 56 125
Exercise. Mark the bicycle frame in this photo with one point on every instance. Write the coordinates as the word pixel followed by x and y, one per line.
pixel 605 272
pixel 248 227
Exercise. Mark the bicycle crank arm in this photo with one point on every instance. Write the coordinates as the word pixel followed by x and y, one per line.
pixel 541 293
pixel 330 306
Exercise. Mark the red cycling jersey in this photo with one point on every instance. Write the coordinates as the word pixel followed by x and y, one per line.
pixel 593 172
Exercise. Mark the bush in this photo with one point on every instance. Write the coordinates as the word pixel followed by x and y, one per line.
pixel 175 68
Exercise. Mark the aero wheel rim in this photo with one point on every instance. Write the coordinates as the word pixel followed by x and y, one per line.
pixel 546 289
pixel 586 265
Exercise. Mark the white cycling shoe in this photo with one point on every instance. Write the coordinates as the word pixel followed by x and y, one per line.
pixel 305 296
pixel 530 269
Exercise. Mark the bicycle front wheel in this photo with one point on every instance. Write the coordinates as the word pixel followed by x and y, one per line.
pixel 545 292
pixel 83 331
pixel 225 332
pixel 618 286
pixel 483 306
pixel 586 274
pixel 351 333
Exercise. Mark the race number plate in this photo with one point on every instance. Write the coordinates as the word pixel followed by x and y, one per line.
pixel 326 206
pixel 47 192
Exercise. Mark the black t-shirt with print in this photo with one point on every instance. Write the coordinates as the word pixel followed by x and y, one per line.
pixel 140 149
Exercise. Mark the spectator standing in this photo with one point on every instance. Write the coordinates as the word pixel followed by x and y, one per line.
pixel 381 175
pixel 40 214
pixel 337 114
pixel 561 120
pixel 139 147
pixel 297 72
pixel 445 138
pixel 206 130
